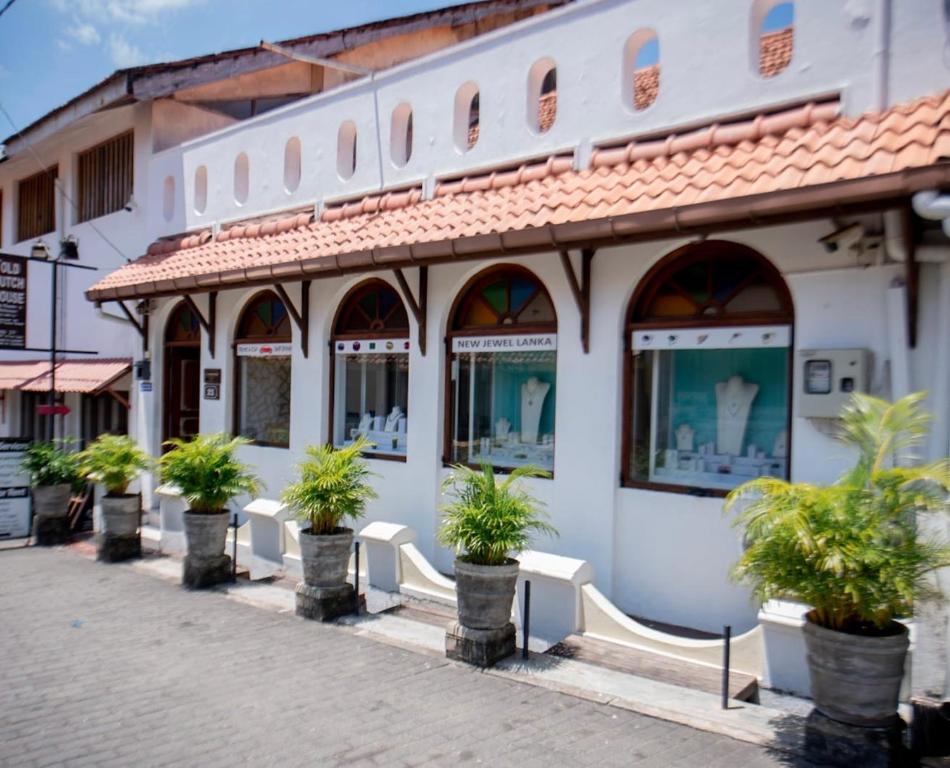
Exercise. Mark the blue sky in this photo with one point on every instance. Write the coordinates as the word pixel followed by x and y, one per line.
pixel 52 50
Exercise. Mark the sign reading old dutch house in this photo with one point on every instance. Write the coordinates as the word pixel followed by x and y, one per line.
pixel 12 302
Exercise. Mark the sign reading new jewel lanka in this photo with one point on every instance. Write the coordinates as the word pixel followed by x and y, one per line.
pixel 265 350
pixel 12 302
pixel 528 342
pixel 14 489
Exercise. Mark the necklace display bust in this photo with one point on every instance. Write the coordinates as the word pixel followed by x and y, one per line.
pixel 533 392
pixel 392 420
pixel 733 403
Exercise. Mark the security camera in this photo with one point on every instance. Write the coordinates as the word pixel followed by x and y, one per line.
pixel 843 238
pixel 131 205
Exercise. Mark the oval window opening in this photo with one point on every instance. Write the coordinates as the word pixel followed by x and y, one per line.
pixel 774 36
pixel 542 95
pixel 642 69
pixel 466 117
pixel 292 165
pixel 201 189
pixel 400 135
pixel 346 149
pixel 168 198
pixel 241 178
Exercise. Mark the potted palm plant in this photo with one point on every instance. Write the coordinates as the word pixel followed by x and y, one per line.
pixel 115 461
pixel 206 470
pixel 333 486
pixel 487 522
pixel 53 473
pixel 855 553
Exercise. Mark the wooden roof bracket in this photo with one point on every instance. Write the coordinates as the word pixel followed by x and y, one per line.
pixel 208 323
pixel 580 289
pixel 118 398
pixel 140 325
pixel 300 317
pixel 417 307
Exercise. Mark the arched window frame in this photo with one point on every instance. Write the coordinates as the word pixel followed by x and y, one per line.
pixel 274 345
pixel 537 339
pixel 191 336
pixel 385 346
pixel 776 325
pixel 760 11
pixel 181 344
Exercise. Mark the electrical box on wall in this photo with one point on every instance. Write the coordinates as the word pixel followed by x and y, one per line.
pixel 828 377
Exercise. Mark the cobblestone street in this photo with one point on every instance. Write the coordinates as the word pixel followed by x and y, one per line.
pixel 104 666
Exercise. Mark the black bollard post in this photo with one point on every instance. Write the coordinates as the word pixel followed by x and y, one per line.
pixel 234 525
pixel 526 619
pixel 356 573
pixel 726 640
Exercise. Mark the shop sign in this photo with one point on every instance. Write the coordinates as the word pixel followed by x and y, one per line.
pixel 735 337
pixel 372 347
pixel 212 384
pixel 145 386
pixel 264 350
pixel 14 489
pixel 12 302
pixel 527 342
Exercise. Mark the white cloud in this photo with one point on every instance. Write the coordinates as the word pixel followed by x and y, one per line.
pixel 124 53
pixel 127 11
pixel 84 34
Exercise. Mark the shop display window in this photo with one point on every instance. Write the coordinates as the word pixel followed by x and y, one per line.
pixel 708 384
pixel 371 370
pixel 263 371
pixel 502 377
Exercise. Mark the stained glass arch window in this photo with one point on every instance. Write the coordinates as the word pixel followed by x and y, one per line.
pixel 372 307
pixel 264 317
pixel 504 298
pixel 182 326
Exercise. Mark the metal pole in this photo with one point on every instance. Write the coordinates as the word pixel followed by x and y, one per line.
pixel 526 620
pixel 51 418
pixel 356 574
pixel 726 640
pixel 234 524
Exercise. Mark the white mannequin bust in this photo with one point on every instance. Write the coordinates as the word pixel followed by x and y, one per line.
pixel 502 426
pixel 733 403
pixel 366 423
pixel 684 438
pixel 392 420
pixel 533 392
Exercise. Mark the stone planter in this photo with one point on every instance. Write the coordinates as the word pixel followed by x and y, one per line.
pixel 856 679
pixel 205 561
pixel 50 514
pixel 483 634
pixel 324 593
pixel 119 538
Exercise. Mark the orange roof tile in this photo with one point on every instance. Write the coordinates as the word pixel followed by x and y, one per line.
pixel 769 165
pixel 83 376
pixel 646 86
pixel 775 51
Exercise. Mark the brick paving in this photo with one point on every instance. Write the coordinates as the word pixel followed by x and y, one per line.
pixel 104 666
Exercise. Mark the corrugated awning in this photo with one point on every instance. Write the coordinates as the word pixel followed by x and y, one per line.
pixel 801 162
pixel 82 376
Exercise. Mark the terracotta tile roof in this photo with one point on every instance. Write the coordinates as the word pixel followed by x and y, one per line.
pixel 83 376
pixel 775 51
pixel 793 161
pixel 646 86
pixel 547 111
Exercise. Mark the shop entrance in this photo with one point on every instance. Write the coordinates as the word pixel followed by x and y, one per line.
pixel 182 375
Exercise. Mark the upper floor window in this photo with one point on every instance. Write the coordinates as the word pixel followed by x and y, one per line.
pixel 105 177
pixel 542 95
pixel 400 135
pixel 242 178
pixel 502 372
pixel 773 30
pixel 36 204
pixel 467 116
pixel 346 149
pixel 262 348
pixel 292 162
pixel 370 393
pixel 642 69
pixel 707 389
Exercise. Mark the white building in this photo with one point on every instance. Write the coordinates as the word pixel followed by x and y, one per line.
pixel 649 246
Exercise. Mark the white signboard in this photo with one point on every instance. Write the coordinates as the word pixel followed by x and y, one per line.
pixel 528 342
pixel 265 350
pixel 737 337
pixel 372 346
pixel 14 489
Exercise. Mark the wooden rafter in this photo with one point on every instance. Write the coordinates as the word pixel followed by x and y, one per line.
pixel 419 306
pixel 208 323
pixel 580 290
pixel 301 317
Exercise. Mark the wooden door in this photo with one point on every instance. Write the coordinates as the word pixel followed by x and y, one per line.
pixel 182 391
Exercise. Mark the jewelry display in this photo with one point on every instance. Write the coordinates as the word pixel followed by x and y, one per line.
pixel 533 392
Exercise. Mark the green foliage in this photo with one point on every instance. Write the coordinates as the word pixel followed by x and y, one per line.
pixel 114 461
pixel 49 463
pixel 488 521
pixel 207 471
pixel 333 486
pixel 853 550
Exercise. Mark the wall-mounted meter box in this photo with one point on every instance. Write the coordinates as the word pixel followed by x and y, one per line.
pixel 828 377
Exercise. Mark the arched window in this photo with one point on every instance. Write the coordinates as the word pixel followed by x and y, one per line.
pixel 201 189
pixel 168 198
pixel 400 135
pixel 709 332
pixel 542 95
pixel 346 149
pixel 292 165
pixel 242 178
pixel 773 36
pixel 181 399
pixel 641 75
pixel 262 350
pixel 466 116
pixel 502 373
pixel 370 369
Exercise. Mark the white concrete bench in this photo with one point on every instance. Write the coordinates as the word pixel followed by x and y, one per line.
pixel 556 582
pixel 171 511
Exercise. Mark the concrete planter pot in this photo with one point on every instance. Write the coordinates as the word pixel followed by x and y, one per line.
pixel 120 514
pixel 485 593
pixel 205 561
pixel 325 559
pixel 324 593
pixel 51 501
pixel 856 679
